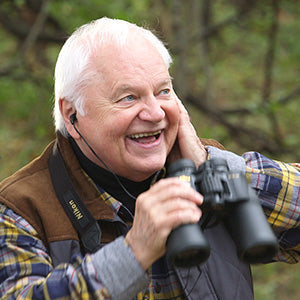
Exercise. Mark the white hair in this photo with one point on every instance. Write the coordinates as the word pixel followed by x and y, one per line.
pixel 74 71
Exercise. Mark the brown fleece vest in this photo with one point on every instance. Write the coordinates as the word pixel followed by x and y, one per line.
pixel 29 192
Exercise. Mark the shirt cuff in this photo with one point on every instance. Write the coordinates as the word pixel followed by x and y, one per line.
pixel 235 162
pixel 119 271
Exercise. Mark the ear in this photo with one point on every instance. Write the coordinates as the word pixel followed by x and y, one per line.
pixel 66 108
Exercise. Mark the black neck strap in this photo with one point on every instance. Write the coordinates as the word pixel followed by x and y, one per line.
pixel 85 224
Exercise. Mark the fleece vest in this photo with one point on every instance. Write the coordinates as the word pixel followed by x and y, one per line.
pixel 29 192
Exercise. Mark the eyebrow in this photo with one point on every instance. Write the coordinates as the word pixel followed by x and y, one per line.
pixel 167 80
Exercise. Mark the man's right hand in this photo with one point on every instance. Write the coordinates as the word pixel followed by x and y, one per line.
pixel 166 205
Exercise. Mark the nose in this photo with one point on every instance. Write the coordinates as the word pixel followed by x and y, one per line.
pixel 152 110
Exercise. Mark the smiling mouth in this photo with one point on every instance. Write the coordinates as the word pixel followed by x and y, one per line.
pixel 145 137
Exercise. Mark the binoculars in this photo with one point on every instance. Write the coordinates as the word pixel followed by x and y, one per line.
pixel 227 198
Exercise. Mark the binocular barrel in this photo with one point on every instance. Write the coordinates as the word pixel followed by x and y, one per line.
pixel 242 214
pixel 186 244
pixel 251 232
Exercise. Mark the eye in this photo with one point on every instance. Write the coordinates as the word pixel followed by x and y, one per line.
pixel 127 99
pixel 164 92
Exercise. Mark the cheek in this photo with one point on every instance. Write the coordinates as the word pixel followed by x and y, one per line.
pixel 173 116
pixel 102 118
pixel 115 128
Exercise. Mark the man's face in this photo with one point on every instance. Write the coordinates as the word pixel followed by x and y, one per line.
pixel 132 116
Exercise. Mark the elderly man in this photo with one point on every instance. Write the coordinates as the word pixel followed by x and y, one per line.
pixel 118 121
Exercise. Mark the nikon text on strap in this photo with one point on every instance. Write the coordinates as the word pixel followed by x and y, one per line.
pixel 86 226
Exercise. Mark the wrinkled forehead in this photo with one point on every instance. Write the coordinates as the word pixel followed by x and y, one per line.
pixel 135 46
pixel 137 54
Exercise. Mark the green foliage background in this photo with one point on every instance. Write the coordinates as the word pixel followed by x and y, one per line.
pixel 236 68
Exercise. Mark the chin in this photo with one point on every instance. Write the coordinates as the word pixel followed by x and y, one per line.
pixel 145 171
pixel 153 169
pixel 144 166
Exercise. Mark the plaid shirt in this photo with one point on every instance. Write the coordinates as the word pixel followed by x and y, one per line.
pixel 278 186
pixel 26 271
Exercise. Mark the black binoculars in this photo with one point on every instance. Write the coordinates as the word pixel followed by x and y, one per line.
pixel 227 198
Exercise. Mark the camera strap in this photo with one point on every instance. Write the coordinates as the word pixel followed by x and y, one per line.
pixel 85 224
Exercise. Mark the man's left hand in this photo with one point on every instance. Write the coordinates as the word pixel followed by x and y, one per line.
pixel 188 144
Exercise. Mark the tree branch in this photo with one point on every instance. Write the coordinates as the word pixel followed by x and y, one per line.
pixel 36 29
pixel 21 29
pixel 216 28
pixel 241 135
pixel 268 71
pixel 30 40
pixel 204 53
pixel 291 96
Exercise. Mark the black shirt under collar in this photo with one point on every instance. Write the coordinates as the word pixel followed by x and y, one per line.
pixel 106 180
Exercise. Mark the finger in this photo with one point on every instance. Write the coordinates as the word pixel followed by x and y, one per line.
pixel 182 108
pixel 173 187
pixel 184 216
pixel 175 205
pixel 175 219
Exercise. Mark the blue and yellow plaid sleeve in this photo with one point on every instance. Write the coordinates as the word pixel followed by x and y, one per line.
pixel 26 271
pixel 278 187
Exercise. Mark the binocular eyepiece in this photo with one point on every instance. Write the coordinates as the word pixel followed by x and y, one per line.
pixel 227 196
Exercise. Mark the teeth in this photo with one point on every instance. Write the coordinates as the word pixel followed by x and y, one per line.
pixel 140 135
